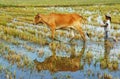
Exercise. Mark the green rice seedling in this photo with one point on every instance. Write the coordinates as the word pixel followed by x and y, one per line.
pixel 1 68
pixel 4 38
pixel 23 35
pixel 1 45
pixel 19 64
pixel 14 74
pixel 26 61
pixel 77 37
pixel 10 77
pixel 90 34
pixel 68 77
pixel 116 27
pixel 11 52
pixel 9 39
pixel 103 64
pixel 17 24
pixel 7 48
pixel 13 58
pixel 41 53
pixel 27 19
pixel 29 48
pixel 117 35
pixel 89 72
pixel 5 19
pixel 53 45
pixel 89 55
pixel 31 31
pixel 101 35
pixel 81 66
pixel 16 58
pixel 116 20
pixel 118 56
pixel 110 66
pixel 45 30
pixel 115 65
pixel 73 52
pixel 16 42
pixel 94 18
pixel 107 76
pixel 3 49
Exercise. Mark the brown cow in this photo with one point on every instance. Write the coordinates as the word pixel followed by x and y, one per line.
pixel 57 21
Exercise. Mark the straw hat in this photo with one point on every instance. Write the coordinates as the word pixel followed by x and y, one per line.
pixel 108 15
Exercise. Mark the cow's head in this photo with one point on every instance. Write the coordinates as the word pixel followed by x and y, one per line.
pixel 37 19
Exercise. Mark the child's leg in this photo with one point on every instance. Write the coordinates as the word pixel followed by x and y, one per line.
pixel 106 35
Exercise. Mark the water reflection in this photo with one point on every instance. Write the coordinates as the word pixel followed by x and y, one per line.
pixel 105 62
pixel 77 62
pixel 82 63
pixel 56 63
pixel 107 46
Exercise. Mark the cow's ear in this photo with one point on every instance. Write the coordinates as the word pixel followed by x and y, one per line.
pixel 38 15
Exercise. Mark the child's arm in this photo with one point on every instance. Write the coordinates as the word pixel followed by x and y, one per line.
pixel 104 25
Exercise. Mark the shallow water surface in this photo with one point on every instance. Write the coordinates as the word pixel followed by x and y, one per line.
pixel 73 62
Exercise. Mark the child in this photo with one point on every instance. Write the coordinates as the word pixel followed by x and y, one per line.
pixel 107 26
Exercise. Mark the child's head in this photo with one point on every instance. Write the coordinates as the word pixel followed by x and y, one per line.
pixel 108 17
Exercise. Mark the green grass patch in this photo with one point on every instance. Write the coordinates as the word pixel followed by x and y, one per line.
pixel 5 19
pixel 55 2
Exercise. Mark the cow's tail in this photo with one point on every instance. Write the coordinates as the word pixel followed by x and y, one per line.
pixel 84 23
pixel 84 20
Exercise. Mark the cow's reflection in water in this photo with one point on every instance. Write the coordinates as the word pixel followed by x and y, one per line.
pixel 74 63
pixel 56 63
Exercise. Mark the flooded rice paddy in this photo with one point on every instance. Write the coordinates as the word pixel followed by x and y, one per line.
pixel 28 52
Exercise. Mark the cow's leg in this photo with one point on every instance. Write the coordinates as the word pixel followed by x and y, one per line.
pixel 80 30
pixel 82 33
pixel 53 33
pixel 72 35
pixel 52 27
